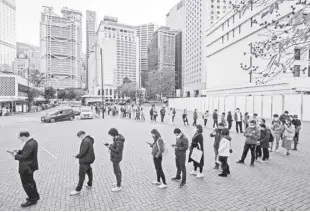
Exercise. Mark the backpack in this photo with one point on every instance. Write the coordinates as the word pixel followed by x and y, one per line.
pixel 165 149
pixel 271 138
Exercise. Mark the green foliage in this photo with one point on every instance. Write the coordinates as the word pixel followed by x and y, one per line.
pixel 70 94
pixel 49 93
pixel 36 78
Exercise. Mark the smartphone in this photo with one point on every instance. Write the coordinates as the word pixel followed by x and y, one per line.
pixel 10 152
pixel 106 144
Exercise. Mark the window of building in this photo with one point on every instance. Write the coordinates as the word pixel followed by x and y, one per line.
pixel 233 32
pixel 239 14
pixel 233 19
pixel 251 20
pixel 222 27
pixel 228 36
pixel 239 29
pixel 107 91
pixel 228 23
pixel 308 71
pixel 296 70
pixel 222 39
pixel 297 54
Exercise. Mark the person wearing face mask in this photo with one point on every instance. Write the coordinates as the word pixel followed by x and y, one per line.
pixel 277 130
pixel 28 164
pixel 184 117
pixel 224 151
pixel 86 158
pixel 252 135
pixel 180 147
pixel 264 141
pixel 288 136
pixel 158 149
pixel 297 123
pixel 217 135
pixel 197 142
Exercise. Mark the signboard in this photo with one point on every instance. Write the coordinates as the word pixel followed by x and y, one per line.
pixel 23 88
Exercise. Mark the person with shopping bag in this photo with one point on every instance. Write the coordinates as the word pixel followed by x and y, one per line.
pixel 224 151
pixel 197 146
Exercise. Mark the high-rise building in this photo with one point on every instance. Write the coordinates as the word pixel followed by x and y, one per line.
pixel 91 24
pixel 61 47
pixel 161 62
pixel 194 73
pixel 217 9
pixel 7 32
pixel 118 54
pixel 145 34
pixel 175 18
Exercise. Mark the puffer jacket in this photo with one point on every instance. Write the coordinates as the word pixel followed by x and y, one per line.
pixel 264 138
pixel 252 135
pixel 117 149
pixel 87 154
pixel 217 138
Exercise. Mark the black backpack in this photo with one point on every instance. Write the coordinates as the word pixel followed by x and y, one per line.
pixel 271 138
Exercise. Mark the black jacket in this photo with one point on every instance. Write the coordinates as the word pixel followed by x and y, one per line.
pixel 197 139
pixel 28 157
pixel 181 146
pixel 87 154
pixel 117 149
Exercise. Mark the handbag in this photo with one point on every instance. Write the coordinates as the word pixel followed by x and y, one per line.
pixel 196 155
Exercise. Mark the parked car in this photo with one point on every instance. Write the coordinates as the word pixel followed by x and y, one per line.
pixel 76 110
pixel 86 113
pixel 58 115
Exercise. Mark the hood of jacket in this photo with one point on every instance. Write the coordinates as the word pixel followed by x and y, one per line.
pixel 120 138
pixel 88 137
pixel 227 137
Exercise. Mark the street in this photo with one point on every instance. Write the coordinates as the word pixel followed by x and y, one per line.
pixel 280 184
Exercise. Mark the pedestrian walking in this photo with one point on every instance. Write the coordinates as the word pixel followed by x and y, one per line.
pixel 173 115
pixel 238 120
pixel 277 130
pixel 223 119
pixel 195 117
pixel 252 135
pixel 217 135
pixel 184 117
pixel 224 151
pixel 297 123
pixel 116 151
pixel 162 114
pixel 28 164
pixel 264 141
pixel 158 148
pixel 215 119
pixel 197 142
pixel 229 120
pixel 205 117
pixel 288 136
pixel 86 157
pixel 180 147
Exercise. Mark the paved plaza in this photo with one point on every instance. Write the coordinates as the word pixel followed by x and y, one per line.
pixel 280 184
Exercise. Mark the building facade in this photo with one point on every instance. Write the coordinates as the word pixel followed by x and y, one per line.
pixel 217 9
pixel 61 47
pixel 145 33
pixel 7 32
pixel 194 73
pixel 232 36
pixel 91 24
pixel 162 59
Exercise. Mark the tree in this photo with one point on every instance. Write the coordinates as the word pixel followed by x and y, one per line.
pixel 36 78
pixel 70 94
pixel 128 89
pixel 33 93
pixel 49 93
pixel 61 94
pixel 281 36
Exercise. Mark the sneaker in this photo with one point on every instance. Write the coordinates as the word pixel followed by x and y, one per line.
pixel 223 175
pixel 163 186
pixel 156 183
pixel 252 164
pixel 294 149
pixel 87 186
pixel 193 172
pixel 199 175
pixel 240 161
pixel 182 184
pixel 276 151
pixel 116 189
pixel 217 166
pixel 75 192
pixel 114 184
pixel 175 179
pixel 228 172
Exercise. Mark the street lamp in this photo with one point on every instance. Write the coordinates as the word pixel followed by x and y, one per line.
pixel 102 103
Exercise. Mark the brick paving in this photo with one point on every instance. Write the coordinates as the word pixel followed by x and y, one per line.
pixel 280 184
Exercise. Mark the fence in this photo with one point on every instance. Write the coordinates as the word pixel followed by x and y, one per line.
pixel 264 105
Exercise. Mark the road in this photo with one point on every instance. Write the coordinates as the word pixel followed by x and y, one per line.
pixel 280 184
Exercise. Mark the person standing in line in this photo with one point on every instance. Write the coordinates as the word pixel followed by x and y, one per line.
pixel 215 119
pixel 264 141
pixel 229 120
pixel 158 149
pixel 277 129
pixel 116 151
pixel 162 114
pixel 195 117
pixel 129 112
pixel 223 119
pixel 142 114
pixel 133 111
pixel 288 136
pixel 86 158
pixel 255 118
pixel 28 164
pixel 246 120
pixel 197 142
pixel 137 113
pixel 173 115
pixel 297 123
pixel 155 114
pixel 217 134
pixel 284 117
pixel 152 113
pixel 224 151
pixel 238 120
pixel 252 135
pixel 180 147
pixel 206 117
pixel 184 117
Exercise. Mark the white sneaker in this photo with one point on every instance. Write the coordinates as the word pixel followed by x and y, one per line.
pixel 114 184
pixel 116 189
pixel 156 183
pixel 75 192
pixel 163 186
pixel 199 175
pixel 87 186
pixel 193 172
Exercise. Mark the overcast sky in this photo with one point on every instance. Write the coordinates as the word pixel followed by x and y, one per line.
pixel 132 12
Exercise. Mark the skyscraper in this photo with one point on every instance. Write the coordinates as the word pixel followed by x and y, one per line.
pixel 91 24
pixel 217 9
pixel 7 32
pixel 145 33
pixel 61 47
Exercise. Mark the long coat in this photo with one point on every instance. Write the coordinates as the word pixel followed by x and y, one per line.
pixel 197 139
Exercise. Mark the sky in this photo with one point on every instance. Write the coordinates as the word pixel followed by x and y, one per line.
pixel 132 12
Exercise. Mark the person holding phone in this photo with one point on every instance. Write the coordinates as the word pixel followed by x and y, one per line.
pixel 116 151
pixel 180 147
pixel 158 149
